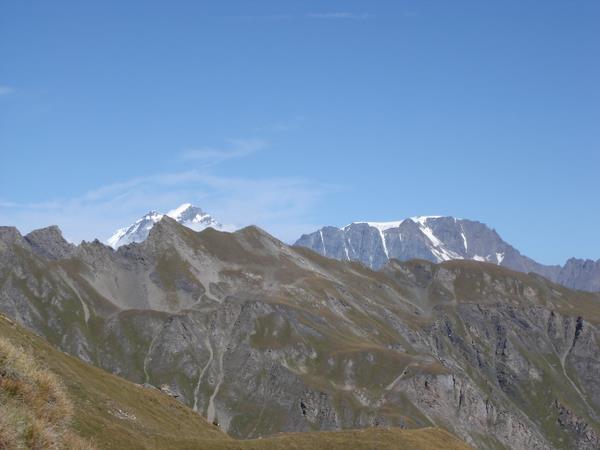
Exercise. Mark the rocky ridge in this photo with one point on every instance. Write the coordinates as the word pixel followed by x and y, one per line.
pixel 261 337
pixel 438 239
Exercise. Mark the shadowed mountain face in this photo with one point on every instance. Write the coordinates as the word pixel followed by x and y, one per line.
pixel 439 239
pixel 581 274
pixel 261 337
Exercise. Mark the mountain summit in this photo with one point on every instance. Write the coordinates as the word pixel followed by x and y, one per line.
pixel 433 238
pixel 186 214
pixel 438 239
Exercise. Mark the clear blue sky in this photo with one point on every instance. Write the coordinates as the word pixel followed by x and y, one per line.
pixel 296 114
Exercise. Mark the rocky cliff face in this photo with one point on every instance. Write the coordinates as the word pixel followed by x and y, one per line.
pixel 49 243
pixel 260 337
pixel 581 274
pixel 439 239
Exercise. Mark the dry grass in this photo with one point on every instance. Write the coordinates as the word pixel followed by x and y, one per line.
pixel 368 439
pixel 35 411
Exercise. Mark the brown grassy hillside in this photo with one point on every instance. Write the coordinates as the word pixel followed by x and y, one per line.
pixel 49 400
pixel 36 411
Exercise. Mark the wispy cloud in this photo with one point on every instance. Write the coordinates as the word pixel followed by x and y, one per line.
pixel 5 90
pixel 237 148
pixel 281 205
pixel 341 15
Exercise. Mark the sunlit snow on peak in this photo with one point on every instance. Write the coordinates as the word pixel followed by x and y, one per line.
pixel 422 219
pixel 186 214
pixel 177 212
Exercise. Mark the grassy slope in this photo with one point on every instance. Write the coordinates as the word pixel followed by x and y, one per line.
pixel 117 414
pixel 35 410
pixel 113 412
pixel 371 439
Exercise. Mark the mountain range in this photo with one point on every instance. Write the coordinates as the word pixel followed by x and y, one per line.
pixel 261 337
pixel 432 238
pixel 438 239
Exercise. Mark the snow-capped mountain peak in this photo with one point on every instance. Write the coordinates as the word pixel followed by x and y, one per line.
pixel 435 238
pixel 193 217
pixel 186 214
pixel 179 211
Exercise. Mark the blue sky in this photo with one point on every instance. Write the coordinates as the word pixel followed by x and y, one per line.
pixel 293 115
